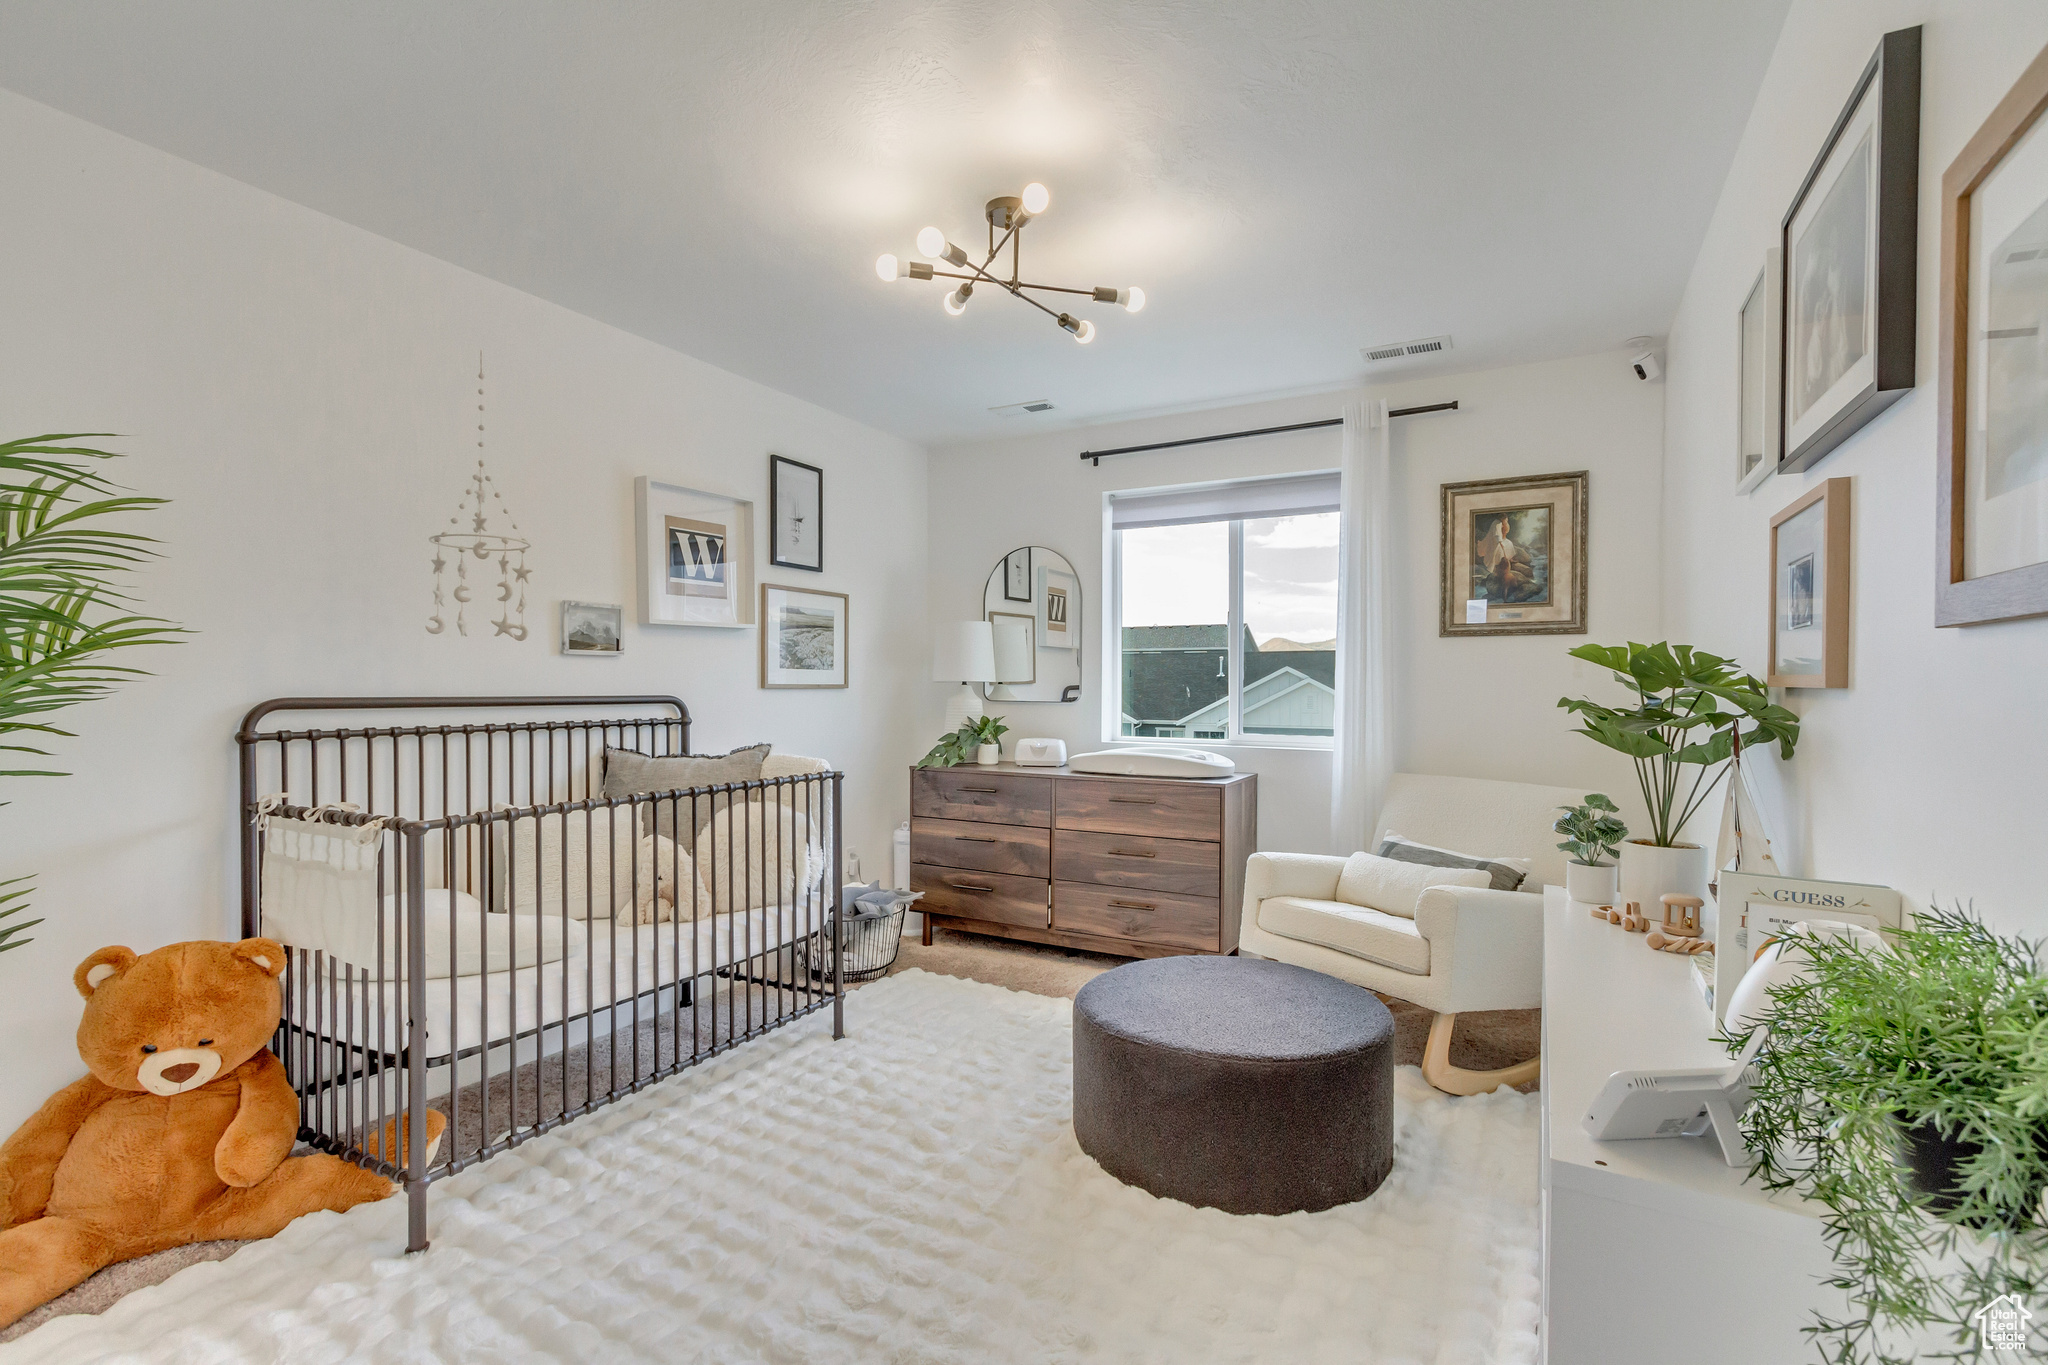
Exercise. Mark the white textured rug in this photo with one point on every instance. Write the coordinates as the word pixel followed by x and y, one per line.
pixel 912 1194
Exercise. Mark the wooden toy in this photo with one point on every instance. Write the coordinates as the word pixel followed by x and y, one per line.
pixel 1605 912
pixel 1686 946
pixel 1633 920
pixel 1682 915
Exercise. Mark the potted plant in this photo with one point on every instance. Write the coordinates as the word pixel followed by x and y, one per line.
pixel 987 733
pixel 977 740
pixel 1906 1088
pixel 1688 712
pixel 1592 832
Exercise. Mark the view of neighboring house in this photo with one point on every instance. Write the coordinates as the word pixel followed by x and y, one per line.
pixel 1176 684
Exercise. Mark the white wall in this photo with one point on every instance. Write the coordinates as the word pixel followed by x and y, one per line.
pixel 303 392
pixel 1923 773
pixel 1466 707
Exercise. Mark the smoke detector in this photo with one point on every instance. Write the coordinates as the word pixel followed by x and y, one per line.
pixel 1035 405
pixel 1403 350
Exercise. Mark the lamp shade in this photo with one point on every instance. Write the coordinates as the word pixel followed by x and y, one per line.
pixel 965 651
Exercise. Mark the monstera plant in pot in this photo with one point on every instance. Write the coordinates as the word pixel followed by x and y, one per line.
pixel 1690 711
pixel 1592 833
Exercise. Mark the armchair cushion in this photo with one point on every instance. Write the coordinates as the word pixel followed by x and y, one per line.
pixel 1508 873
pixel 1390 940
pixel 1392 886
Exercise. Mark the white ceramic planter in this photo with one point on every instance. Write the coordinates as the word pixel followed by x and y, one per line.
pixel 1591 884
pixel 1649 872
pixel 986 754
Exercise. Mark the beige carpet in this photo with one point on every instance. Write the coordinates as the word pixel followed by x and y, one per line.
pixel 1484 1041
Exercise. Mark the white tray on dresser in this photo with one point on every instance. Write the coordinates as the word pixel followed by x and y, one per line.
pixel 1653 1250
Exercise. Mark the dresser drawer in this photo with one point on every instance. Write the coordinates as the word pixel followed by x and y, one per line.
pixel 1177 866
pixel 984 847
pixel 1163 808
pixel 965 794
pixel 981 895
pixel 1148 916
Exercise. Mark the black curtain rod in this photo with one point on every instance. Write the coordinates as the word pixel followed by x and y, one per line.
pixel 1098 456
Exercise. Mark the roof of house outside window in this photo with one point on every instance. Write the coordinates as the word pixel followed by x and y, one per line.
pixel 1176 671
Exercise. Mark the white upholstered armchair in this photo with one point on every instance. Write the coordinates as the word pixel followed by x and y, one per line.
pixel 1467 948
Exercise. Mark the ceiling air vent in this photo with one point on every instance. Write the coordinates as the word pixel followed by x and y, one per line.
pixel 1402 350
pixel 1020 409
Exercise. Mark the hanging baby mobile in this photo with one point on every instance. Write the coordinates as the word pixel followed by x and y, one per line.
pixel 482 529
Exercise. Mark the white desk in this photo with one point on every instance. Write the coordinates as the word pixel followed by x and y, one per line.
pixel 1657 1249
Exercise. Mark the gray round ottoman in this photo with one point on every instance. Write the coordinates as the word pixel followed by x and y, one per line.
pixel 1235 1083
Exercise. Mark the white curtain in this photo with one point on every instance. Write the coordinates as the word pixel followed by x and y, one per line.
pixel 1361 753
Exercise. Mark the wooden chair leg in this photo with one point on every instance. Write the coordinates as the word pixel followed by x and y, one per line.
pixel 1456 1080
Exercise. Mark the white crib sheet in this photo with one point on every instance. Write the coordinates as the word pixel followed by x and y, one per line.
pixel 606 962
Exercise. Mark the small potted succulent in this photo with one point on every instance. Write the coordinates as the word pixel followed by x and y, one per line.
pixel 1592 832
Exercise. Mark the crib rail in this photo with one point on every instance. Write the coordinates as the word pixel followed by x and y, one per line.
pixel 539 949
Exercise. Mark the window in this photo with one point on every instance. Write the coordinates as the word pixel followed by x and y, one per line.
pixel 1226 600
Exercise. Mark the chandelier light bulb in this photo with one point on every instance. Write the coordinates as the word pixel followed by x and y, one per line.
pixel 931 242
pixel 885 266
pixel 1133 299
pixel 1036 197
pixel 1085 333
pixel 956 302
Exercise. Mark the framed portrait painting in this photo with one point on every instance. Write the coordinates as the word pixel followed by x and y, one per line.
pixel 803 637
pixel 1514 556
pixel 1810 590
pixel 1847 251
pixel 1992 489
pixel 796 514
pixel 695 556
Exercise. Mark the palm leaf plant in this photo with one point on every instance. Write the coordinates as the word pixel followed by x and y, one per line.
pixel 60 614
pixel 1906 1088
pixel 1690 707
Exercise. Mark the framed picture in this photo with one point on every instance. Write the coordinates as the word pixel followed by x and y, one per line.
pixel 594 629
pixel 803 637
pixel 1760 328
pixel 1992 489
pixel 1848 245
pixel 1514 556
pixel 1016 658
pixel 696 556
pixel 1017 575
pixel 1810 590
pixel 1059 615
pixel 796 514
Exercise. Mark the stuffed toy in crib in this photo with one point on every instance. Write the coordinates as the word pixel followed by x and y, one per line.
pixel 182 1132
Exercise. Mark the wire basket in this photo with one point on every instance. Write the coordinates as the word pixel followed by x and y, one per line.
pixel 868 946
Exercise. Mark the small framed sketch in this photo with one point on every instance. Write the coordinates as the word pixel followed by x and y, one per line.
pixel 1810 590
pixel 696 556
pixel 796 514
pixel 1059 617
pixel 1514 556
pixel 594 629
pixel 1760 330
pixel 803 637
pixel 1992 487
pixel 1017 575
pixel 1849 242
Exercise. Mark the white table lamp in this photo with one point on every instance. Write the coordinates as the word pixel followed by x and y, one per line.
pixel 965 652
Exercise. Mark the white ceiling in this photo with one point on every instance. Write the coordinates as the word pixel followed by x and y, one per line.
pixel 1288 181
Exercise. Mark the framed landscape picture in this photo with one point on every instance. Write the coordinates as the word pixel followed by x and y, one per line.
pixel 593 629
pixel 803 637
pixel 796 514
pixel 1848 246
pixel 1810 590
pixel 1992 489
pixel 695 556
pixel 1514 556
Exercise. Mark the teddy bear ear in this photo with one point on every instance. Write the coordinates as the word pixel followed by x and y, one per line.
pixel 266 953
pixel 95 970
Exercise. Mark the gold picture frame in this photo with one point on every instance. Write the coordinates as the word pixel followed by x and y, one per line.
pixel 1514 556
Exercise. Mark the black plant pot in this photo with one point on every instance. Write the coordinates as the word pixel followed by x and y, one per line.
pixel 1934 1167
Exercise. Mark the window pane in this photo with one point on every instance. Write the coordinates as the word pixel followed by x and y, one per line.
pixel 1290 625
pixel 1176 613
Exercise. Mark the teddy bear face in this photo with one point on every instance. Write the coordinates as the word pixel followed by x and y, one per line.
pixel 171 1020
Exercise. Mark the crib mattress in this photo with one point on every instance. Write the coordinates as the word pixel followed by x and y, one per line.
pixel 606 963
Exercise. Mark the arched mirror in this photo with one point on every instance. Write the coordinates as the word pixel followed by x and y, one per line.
pixel 1033 605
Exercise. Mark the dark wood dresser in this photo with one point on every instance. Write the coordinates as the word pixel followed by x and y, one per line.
pixel 1140 867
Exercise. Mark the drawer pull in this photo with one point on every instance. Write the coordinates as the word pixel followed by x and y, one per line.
pixel 1130 853
pixel 991 791
pixel 975 838
pixel 968 886
pixel 1134 905
pixel 1136 800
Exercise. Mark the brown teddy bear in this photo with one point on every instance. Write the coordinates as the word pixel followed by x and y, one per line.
pixel 182 1133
